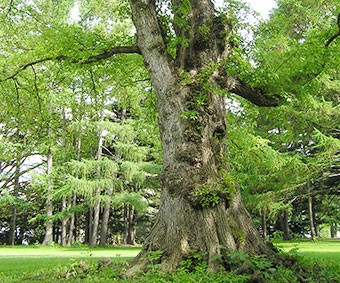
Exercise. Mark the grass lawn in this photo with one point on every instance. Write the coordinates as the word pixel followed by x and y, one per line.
pixel 325 253
pixel 17 263
pixel 22 264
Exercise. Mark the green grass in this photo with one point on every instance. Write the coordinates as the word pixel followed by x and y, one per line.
pixel 319 251
pixel 18 263
pixel 325 253
pixel 45 264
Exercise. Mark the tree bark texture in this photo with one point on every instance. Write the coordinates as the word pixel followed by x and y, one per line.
pixel 201 209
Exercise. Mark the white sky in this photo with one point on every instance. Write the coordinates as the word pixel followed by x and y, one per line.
pixel 261 6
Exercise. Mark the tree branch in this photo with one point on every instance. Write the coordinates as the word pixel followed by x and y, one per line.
pixel 92 59
pixel 151 42
pixel 329 41
pixel 254 95
pixel 110 53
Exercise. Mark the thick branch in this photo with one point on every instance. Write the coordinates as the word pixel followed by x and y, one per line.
pixel 110 53
pixel 92 59
pixel 254 95
pixel 151 43
pixel 329 41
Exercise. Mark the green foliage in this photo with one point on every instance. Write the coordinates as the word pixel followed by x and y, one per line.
pixel 191 115
pixel 207 197
pixel 136 200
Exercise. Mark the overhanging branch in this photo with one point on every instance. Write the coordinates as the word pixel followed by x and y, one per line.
pixel 329 41
pixel 110 53
pixel 92 59
pixel 254 95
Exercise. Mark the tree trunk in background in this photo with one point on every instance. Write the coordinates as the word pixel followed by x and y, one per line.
pixel 105 219
pixel 200 207
pixel 285 226
pixel 316 224
pixel 13 219
pixel 334 230
pixel 95 225
pixel 311 219
pixel 94 234
pixel 88 225
pixel 131 226
pixel 64 223
pixel 49 204
pixel 12 228
pixel 74 198
pixel 72 221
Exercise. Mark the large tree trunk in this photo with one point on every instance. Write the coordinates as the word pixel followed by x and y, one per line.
pixel 201 208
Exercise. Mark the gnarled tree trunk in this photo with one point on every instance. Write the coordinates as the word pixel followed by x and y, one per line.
pixel 201 207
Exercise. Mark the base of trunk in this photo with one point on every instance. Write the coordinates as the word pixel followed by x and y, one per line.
pixel 181 230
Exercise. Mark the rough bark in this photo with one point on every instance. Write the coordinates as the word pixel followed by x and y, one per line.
pixel 201 209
